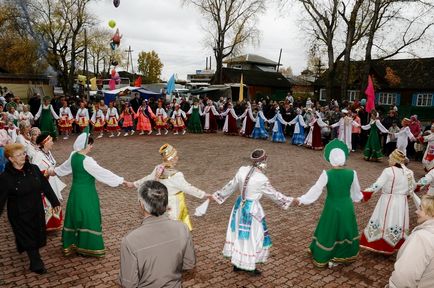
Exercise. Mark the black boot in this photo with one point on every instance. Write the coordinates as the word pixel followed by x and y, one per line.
pixel 36 264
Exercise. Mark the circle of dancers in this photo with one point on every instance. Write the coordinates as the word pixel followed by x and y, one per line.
pixel 336 239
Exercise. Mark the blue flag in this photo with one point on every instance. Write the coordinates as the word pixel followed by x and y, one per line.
pixel 170 85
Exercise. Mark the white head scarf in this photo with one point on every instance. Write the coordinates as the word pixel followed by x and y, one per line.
pixel 337 157
pixel 80 142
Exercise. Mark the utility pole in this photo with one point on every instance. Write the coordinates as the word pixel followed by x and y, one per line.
pixel 86 65
pixel 278 62
pixel 130 56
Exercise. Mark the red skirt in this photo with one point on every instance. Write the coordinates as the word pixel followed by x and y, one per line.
pixel 380 246
pixel 53 221
pixel 316 137
pixel 232 125
pixel 249 127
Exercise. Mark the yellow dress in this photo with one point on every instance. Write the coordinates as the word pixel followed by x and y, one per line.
pixel 177 187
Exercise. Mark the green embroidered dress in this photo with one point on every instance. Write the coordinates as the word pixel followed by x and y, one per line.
pixel 194 124
pixel 82 230
pixel 336 237
pixel 373 144
pixel 46 122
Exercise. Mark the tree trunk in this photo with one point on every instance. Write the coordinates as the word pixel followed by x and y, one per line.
pixel 332 72
pixel 368 50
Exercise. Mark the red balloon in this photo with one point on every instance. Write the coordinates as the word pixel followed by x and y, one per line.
pixel 116 3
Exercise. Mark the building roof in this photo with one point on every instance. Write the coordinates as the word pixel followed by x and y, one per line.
pixel 250 58
pixel 414 73
pixel 299 81
pixel 255 78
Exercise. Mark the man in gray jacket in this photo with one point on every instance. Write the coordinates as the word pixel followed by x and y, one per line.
pixel 154 254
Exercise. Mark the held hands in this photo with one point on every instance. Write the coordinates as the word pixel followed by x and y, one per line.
pixel 57 209
pixel 128 184
pixel 50 172
pixel 295 202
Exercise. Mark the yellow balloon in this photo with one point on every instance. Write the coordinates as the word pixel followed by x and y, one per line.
pixel 112 24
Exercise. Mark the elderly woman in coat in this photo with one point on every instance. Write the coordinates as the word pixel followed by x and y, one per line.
pixel 414 266
pixel 22 185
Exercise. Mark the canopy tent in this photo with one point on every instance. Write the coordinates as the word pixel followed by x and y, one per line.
pixel 110 95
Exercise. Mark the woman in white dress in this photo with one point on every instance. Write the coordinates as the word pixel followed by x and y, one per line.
pixel 46 162
pixel 33 147
pixel 388 226
pixel 247 238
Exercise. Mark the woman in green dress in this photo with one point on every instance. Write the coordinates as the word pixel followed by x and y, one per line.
pixel 194 124
pixel 47 115
pixel 336 238
pixel 82 230
pixel 373 147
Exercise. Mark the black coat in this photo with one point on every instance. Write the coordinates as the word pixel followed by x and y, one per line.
pixel 22 190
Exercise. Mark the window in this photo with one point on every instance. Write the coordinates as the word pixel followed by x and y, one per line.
pixel 424 99
pixel 322 95
pixel 387 98
pixel 353 94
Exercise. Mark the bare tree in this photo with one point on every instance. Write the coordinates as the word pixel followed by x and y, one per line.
pixel 62 23
pixel 231 25
pixel 409 29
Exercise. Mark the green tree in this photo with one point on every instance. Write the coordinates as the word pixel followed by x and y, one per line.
pixel 18 50
pixel 150 66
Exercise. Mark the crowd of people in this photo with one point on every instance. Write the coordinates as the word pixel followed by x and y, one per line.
pixel 32 183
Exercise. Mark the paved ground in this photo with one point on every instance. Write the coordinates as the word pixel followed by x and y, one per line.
pixel 208 162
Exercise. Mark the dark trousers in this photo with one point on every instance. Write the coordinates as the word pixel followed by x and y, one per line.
pixel 35 260
pixel 355 140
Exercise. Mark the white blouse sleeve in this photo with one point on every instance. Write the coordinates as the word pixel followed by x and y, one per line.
pixel 356 193
pixel 101 174
pixel 366 127
pixel 315 191
pixel 381 127
pixel 190 110
pixel 54 112
pixel 65 168
pixel 221 195
pixel 381 181
pixel 38 114
pixel 302 121
pixel 277 197
pixel 187 188
pixel 151 176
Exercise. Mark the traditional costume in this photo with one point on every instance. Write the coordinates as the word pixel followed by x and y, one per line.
pixel 345 124
pixel 211 113
pixel 313 139
pixel 247 237
pixel 336 237
pixel 194 125
pixel 45 161
pixel 178 118
pixel 248 121
pixel 230 126
pixel 46 124
pixel 259 131
pixel 112 118
pixel 160 119
pixel 82 230
pixel 403 135
pixel 277 135
pixel 65 121
pixel 388 226
pixel 82 118
pixel 298 136
pixel 428 156
pixel 127 120
pixel 373 147
pixel 144 115
pixel 98 122
pixel 26 116
pixel 176 185
pixel 428 163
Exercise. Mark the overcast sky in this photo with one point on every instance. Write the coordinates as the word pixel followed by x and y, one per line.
pixel 175 33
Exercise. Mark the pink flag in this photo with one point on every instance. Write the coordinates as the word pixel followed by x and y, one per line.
pixel 370 95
